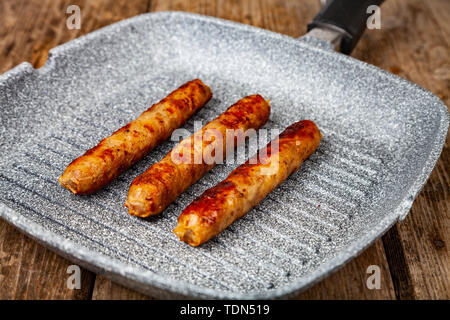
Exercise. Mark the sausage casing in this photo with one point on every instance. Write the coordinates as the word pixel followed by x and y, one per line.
pixel 151 192
pixel 248 184
pixel 114 154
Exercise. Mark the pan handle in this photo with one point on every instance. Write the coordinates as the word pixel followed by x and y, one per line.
pixel 342 22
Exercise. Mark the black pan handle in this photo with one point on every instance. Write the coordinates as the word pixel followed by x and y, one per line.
pixel 348 17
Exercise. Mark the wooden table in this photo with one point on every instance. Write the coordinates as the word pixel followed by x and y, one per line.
pixel 413 43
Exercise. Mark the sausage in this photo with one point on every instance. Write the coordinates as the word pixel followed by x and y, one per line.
pixel 114 154
pixel 248 184
pixel 151 192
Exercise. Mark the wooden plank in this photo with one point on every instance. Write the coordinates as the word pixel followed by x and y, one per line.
pixel 105 289
pixel 28 29
pixel 350 282
pixel 29 271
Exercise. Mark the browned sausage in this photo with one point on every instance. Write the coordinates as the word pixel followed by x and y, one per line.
pixel 248 184
pixel 113 155
pixel 164 181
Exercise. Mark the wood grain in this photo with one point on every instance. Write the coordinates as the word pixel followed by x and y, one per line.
pixel 29 29
pixel 413 43
pixel 107 290
pixel 29 271
pixel 350 282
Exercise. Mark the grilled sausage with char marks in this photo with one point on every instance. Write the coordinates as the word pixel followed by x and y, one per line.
pixel 151 192
pixel 113 155
pixel 248 184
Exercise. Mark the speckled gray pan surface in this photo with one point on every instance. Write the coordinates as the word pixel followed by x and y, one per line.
pixel 381 138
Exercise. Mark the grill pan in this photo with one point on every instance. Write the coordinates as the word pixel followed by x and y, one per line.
pixel 382 135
